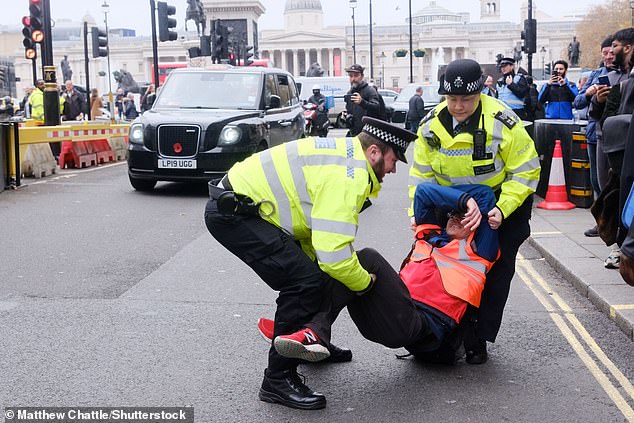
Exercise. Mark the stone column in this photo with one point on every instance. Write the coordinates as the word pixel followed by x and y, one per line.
pixel 306 60
pixel 331 62
pixel 342 61
pixel 295 64
pixel 283 65
pixel 453 54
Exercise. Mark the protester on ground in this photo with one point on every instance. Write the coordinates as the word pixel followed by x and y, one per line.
pixel 291 214
pixel 471 138
pixel 512 87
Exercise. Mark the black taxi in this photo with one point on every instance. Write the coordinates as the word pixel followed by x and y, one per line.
pixel 205 120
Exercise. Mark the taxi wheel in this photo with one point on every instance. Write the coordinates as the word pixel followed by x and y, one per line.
pixel 142 184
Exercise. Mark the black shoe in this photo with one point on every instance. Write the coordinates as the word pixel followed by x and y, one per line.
pixel 289 390
pixel 338 355
pixel 592 232
pixel 477 354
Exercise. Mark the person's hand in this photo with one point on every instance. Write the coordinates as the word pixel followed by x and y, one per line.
pixel 472 217
pixel 602 93
pixel 413 224
pixel 356 98
pixel 551 80
pixel 509 80
pixel 495 218
pixel 592 90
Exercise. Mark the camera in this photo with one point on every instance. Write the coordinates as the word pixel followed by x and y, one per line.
pixel 347 98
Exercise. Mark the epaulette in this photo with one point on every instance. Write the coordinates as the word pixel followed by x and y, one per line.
pixel 507 117
pixel 429 116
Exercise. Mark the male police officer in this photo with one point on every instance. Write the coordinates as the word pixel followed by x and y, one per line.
pixel 512 88
pixel 291 214
pixel 475 139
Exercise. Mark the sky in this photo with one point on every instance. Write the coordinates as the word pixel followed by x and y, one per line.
pixel 135 13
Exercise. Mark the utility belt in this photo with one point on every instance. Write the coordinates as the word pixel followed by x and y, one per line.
pixel 230 203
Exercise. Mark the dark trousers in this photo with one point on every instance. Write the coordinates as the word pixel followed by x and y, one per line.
pixel 513 231
pixel 281 263
pixel 521 113
pixel 386 314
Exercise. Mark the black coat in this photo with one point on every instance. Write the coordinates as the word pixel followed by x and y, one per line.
pixel 370 105
pixel 74 104
pixel 416 108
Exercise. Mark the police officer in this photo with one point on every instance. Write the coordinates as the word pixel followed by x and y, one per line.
pixel 512 87
pixel 472 138
pixel 291 214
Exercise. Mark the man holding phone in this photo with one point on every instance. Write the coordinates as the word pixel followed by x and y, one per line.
pixel 361 100
pixel 558 93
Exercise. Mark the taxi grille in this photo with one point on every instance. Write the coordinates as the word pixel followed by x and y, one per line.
pixel 178 140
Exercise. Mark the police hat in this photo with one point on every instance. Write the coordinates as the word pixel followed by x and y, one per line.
pixel 355 68
pixel 507 61
pixel 395 137
pixel 462 77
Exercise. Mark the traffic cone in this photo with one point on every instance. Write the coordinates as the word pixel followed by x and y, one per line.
pixel 556 196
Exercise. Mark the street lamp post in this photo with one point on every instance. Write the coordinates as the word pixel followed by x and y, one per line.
pixel 382 57
pixel 371 50
pixel 105 7
pixel 543 52
pixel 411 51
pixel 353 5
pixel 632 7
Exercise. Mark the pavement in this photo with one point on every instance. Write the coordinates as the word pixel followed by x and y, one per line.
pixel 558 236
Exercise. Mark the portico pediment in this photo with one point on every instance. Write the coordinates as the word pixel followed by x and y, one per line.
pixel 303 36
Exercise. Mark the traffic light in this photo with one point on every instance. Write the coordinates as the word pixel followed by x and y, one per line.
pixel 99 42
pixel 36 20
pixel 226 31
pixel 166 23
pixel 194 52
pixel 529 35
pixel 205 45
pixel 3 75
pixel 30 51
pixel 547 69
pixel 232 59
pixel 248 54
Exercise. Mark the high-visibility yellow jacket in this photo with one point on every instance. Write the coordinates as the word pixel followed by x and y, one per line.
pixel 318 187
pixel 512 164
pixel 36 100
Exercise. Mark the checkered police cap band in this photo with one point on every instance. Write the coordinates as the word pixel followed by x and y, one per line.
pixel 458 84
pixel 386 136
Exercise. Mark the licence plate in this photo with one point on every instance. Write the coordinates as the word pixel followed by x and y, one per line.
pixel 177 164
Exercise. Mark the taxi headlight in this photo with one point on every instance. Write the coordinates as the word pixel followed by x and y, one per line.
pixel 136 133
pixel 230 135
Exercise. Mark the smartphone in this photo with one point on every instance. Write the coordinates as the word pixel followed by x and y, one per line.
pixel 604 80
pixel 347 97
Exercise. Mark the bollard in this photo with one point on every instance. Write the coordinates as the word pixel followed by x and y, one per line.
pixel 580 187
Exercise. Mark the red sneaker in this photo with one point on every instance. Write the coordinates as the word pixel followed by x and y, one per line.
pixel 303 344
pixel 265 326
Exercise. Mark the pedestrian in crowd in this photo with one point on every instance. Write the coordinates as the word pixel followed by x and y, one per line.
pixel 532 107
pixel 148 98
pixel 622 47
pixel 118 102
pixel 512 87
pixel 442 275
pixel 416 110
pixel 489 87
pixel 25 107
pixel 558 93
pixel 582 101
pixel 473 138
pixel 36 102
pixel 74 103
pixel 361 100
pixel 96 104
pixel 287 213
pixel 130 112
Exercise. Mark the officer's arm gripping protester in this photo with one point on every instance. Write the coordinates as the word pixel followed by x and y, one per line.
pixel 291 214
pixel 476 139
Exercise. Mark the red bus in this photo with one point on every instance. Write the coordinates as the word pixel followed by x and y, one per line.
pixel 165 68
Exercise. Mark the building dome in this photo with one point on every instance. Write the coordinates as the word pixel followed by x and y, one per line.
pixel 435 13
pixel 314 5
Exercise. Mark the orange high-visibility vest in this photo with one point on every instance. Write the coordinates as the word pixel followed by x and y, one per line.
pixel 446 278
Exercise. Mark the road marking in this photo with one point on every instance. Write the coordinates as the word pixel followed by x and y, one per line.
pixel 558 309
pixel 79 171
pixel 546 233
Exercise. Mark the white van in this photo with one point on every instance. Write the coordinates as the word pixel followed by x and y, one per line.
pixel 335 86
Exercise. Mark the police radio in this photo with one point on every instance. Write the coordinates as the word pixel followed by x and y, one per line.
pixel 480 143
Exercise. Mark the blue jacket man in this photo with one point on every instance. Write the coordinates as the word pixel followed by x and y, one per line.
pixel 558 93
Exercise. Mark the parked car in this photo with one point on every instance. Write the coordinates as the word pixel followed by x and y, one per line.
pixel 388 96
pixel 205 120
pixel 401 104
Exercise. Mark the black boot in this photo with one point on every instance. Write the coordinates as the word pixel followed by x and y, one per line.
pixel 477 352
pixel 288 389
pixel 338 355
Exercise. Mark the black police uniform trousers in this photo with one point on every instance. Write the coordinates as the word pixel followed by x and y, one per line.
pixel 281 263
pixel 513 231
pixel 386 314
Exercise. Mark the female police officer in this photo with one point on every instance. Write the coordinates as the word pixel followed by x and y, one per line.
pixel 476 139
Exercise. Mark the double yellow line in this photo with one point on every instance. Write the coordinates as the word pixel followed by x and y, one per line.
pixel 590 353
